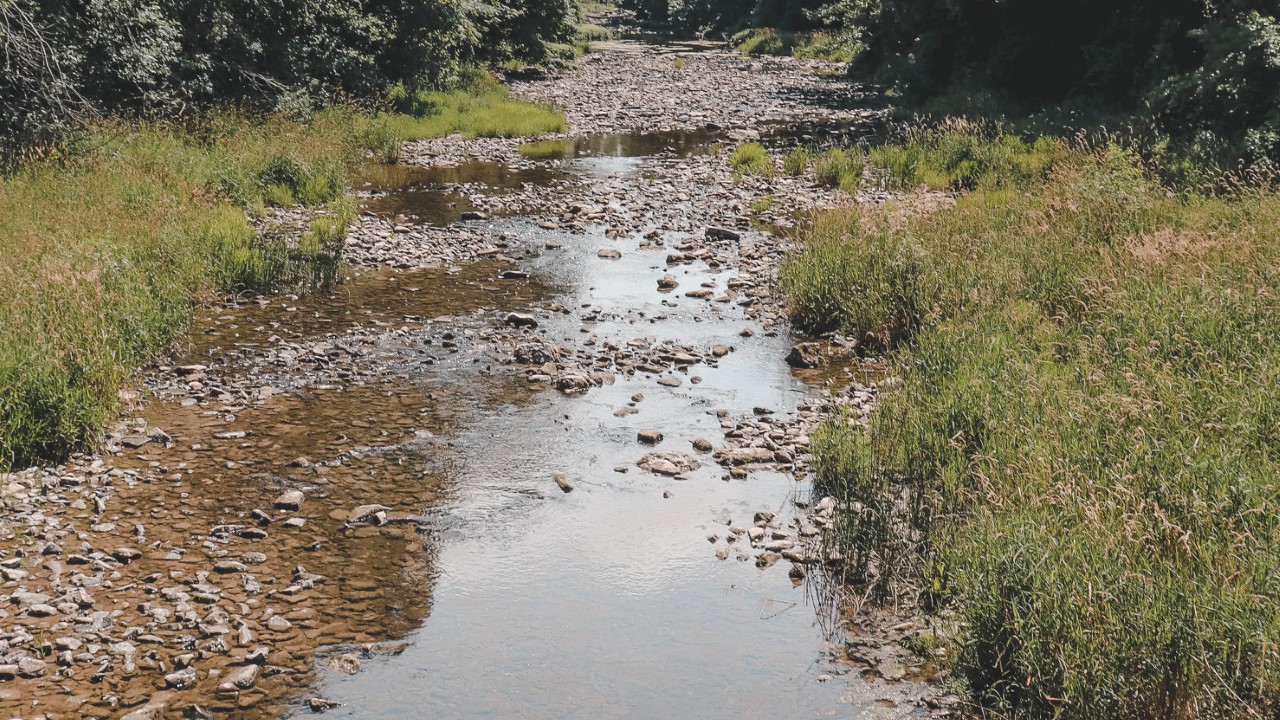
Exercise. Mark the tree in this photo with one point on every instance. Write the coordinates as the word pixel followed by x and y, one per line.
pixel 36 92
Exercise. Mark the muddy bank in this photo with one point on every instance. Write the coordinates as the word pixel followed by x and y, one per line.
pixel 541 456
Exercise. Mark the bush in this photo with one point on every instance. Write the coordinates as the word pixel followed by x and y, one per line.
pixel 764 41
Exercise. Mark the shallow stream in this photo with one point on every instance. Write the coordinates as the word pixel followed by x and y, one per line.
pixel 493 593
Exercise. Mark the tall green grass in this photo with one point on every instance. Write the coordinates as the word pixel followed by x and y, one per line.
pixel 484 108
pixel 840 168
pixel 797 160
pixel 594 33
pixel 102 252
pixel 809 46
pixel 1082 461
pixel 960 155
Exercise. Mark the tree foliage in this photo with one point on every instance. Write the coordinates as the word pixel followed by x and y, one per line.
pixel 169 56
pixel 1207 70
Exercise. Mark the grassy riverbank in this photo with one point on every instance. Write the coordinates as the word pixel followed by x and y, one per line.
pixel 803 45
pixel 1082 458
pixel 105 245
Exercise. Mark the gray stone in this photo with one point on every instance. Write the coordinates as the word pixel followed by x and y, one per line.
pixel 242 678
pixel 649 437
pixel 291 500
pixel 180 679
pixel 521 320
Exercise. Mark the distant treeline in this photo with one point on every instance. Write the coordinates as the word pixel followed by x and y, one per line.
pixel 61 58
pixel 1207 72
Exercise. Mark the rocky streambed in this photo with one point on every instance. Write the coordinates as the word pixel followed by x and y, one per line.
pixel 542 455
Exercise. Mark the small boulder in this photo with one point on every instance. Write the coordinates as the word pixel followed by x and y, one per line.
pixel 184 678
pixel 649 437
pixel 346 663
pixel 522 320
pixel 667 462
pixel 722 233
pixel 291 500
pixel 29 667
pixel 364 512
pixel 805 355
pixel 242 678
pixel 126 554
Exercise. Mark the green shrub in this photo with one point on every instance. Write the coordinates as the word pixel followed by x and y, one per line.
pixel 764 41
pixel 809 46
pixel 825 46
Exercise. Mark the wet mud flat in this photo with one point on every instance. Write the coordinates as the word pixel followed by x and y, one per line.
pixel 540 456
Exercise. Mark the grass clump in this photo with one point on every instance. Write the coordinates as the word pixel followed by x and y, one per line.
pixel 764 41
pixel 547 150
pixel 752 159
pixel 1081 460
pixel 594 33
pixel 963 156
pixel 797 161
pixel 484 108
pixel 587 34
pixel 840 168
pixel 763 204
pixel 586 8
pixel 101 254
pixel 825 46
